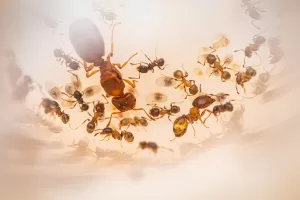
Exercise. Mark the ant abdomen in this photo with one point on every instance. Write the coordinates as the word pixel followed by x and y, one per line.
pixel 143 69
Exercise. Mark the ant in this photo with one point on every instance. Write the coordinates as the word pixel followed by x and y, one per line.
pixel 181 77
pixel 69 61
pixel 152 146
pixel 218 109
pixel 108 132
pixel 252 11
pixel 276 53
pixel 243 77
pixel 98 111
pixel 225 75
pixel 180 125
pixel 146 67
pixel 106 15
pixel 158 112
pixel 253 48
pixel 79 95
pixel 52 107
pixel 136 121
pixel 110 79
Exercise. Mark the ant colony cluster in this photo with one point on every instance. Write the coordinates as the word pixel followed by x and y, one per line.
pixel 88 43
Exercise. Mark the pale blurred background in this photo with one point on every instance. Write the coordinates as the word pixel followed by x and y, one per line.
pixel 261 164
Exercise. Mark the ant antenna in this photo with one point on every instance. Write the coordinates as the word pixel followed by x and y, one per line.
pixel 146 55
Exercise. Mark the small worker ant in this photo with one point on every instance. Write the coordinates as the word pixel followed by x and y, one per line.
pixel 99 111
pixel 69 61
pixel 108 132
pixel 276 52
pixel 51 23
pixel 243 77
pixel 181 77
pixel 180 125
pixel 136 121
pixel 159 112
pixel 253 48
pixel 52 107
pixel 106 15
pixel 252 11
pixel 218 109
pixel 152 146
pixel 146 67
pixel 79 95
pixel 217 67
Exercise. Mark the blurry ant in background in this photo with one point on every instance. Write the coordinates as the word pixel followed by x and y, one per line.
pixel 146 67
pixel 243 77
pixel 51 23
pixel 109 132
pixel 159 112
pixel 252 11
pixel 99 111
pixel 108 16
pixel 152 146
pixel 275 51
pixel 52 108
pixel 218 109
pixel 135 121
pixel 181 76
pixel 253 48
pixel 69 61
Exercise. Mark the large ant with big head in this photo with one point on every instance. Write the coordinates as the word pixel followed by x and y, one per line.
pixel 90 48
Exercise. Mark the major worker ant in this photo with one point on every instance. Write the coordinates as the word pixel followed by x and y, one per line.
pixel 90 47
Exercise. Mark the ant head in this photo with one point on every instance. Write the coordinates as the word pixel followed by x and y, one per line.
pixel 65 118
pixel 143 145
pixel 90 127
pixel 175 109
pixel 77 95
pixel 58 53
pixel 217 109
pixel 259 40
pixel 251 71
pixel 211 59
pixel 74 65
pixel 160 62
pixel 228 107
pixel 99 107
pixel 107 130
pixel 128 136
pixel 178 74
pixel 84 107
pixel 225 75
pixel 154 112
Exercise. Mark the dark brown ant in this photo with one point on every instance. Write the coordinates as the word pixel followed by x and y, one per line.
pixel 152 146
pixel 180 125
pixel 136 121
pixel 252 11
pixel 109 132
pixel 243 77
pixel 69 61
pixel 90 48
pixel 253 48
pixel 52 108
pixel 159 112
pixel 99 111
pixel 218 109
pixel 181 77
pixel 79 95
pixel 146 67
pixel 106 15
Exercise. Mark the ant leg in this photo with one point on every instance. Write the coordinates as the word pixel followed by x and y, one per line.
pixel 132 84
pixel 178 85
pixel 170 118
pixel 136 78
pixel 105 99
pixel 107 136
pixel 236 87
pixel 80 124
pixel 153 105
pixel 112 42
pixel 218 59
pixel 145 113
pixel 88 70
pixel 252 22
pixel 70 107
pixel 146 56
pixel 173 139
pixel 67 96
pixel 125 63
pixel 194 131
pixel 111 115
